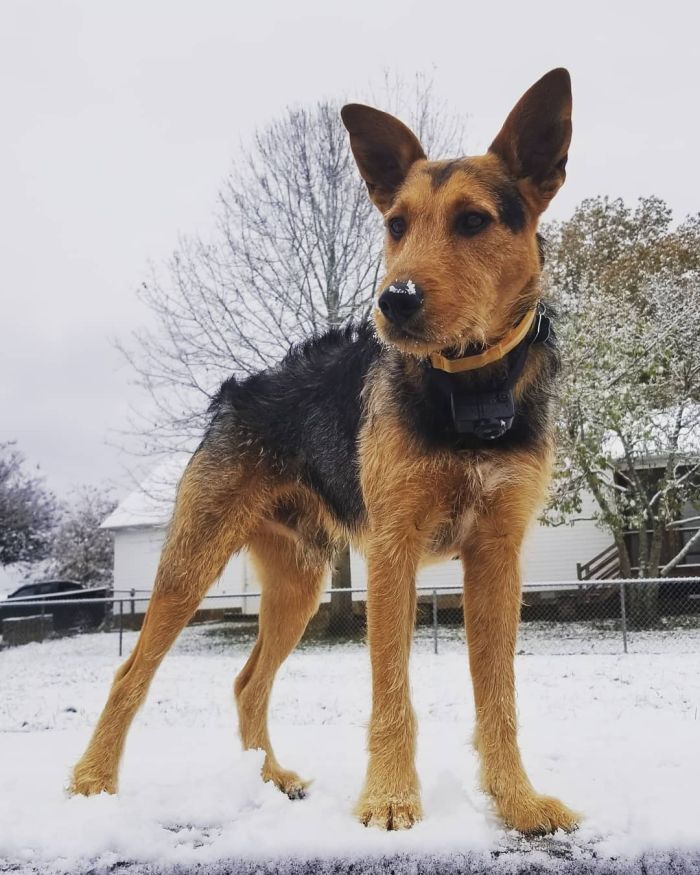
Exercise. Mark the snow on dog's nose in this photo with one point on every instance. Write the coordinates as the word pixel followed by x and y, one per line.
pixel 400 301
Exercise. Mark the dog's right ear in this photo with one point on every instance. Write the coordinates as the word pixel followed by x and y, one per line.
pixel 384 149
pixel 534 141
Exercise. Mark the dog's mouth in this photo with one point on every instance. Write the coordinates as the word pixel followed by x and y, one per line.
pixel 415 340
pixel 407 338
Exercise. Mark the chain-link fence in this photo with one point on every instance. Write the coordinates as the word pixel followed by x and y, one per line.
pixel 562 616
pixel 566 616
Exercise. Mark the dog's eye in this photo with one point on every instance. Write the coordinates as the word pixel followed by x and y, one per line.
pixel 397 227
pixel 468 224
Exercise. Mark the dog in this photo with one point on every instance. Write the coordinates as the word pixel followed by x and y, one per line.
pixel 423 435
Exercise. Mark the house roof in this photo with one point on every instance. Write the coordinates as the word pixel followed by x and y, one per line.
pixel 152 502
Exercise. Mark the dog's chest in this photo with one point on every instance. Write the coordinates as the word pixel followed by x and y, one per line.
pixel 468 491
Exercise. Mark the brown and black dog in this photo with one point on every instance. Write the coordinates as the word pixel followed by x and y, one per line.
pixel 425 435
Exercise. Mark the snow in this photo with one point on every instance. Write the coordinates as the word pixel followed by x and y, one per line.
pixel 405 288
pixel 615 736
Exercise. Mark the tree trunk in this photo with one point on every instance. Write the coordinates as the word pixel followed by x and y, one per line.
pixel 340 621
pixel 623 555
pixel 643 605
pixel 644 597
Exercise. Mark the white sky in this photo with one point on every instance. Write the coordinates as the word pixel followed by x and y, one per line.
pixel 119 120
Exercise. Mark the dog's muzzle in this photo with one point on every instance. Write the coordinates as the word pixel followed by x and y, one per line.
pixel 399 302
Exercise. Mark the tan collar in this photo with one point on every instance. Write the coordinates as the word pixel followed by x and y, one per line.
pixel 488 356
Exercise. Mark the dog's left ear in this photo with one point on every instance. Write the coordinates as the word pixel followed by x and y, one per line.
pixel 534 141
pixel 384 149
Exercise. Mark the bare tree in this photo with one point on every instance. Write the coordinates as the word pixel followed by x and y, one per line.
pixel 297 250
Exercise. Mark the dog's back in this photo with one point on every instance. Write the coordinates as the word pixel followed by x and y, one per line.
pixel 303 416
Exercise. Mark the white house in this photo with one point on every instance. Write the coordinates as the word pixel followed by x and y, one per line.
pixel 139 525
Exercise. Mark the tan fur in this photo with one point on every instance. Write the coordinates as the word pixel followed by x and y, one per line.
pixel 491 560
pixel 489 502
pixel 207 528
pixel 421 504
pixel 476 290
pixel 291 592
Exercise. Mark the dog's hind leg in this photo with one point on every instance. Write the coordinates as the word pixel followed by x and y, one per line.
pixel 292 583
pixel 492 595
pixel 218 502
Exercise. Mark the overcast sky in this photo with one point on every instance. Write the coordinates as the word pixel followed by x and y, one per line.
pixel 119 121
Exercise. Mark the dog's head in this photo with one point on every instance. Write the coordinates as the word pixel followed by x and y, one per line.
pixel 462 252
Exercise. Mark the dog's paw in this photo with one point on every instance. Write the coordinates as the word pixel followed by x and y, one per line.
pixel 288 782
pixel 532 814
pixel 87 782
pixel 389 812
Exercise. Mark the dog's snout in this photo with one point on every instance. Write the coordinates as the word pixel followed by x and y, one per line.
pixel 400 301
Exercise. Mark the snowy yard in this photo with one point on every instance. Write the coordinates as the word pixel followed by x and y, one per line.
pixel 617 737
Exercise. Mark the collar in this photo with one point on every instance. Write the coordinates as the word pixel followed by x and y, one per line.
pixel 494 353
pixel 487 412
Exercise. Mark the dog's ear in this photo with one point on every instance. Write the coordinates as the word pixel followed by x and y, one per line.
pixel 534 141
pixel 384 149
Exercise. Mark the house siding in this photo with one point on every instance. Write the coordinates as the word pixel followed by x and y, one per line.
pixel 549 555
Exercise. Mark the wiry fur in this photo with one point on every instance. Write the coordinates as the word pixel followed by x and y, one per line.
pixel 348 440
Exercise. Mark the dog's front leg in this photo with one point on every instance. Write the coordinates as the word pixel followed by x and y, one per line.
pixel 390 798
pixel 492 594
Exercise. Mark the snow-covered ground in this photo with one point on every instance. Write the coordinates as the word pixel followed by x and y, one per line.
pixel 617 737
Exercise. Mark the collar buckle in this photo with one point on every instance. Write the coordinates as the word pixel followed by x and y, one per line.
pixel 543 325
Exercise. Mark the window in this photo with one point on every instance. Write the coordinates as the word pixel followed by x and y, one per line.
pixel 66 586
pixel 24 592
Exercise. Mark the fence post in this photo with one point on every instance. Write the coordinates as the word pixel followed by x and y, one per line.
pixel 623 615
pixel 133 602
pixel 43 620
pixel 435 622
pixel 121 624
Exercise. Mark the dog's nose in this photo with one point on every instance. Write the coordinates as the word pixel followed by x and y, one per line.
pixel 400 301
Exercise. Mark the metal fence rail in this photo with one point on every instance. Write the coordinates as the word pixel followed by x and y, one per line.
pixel 557 602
